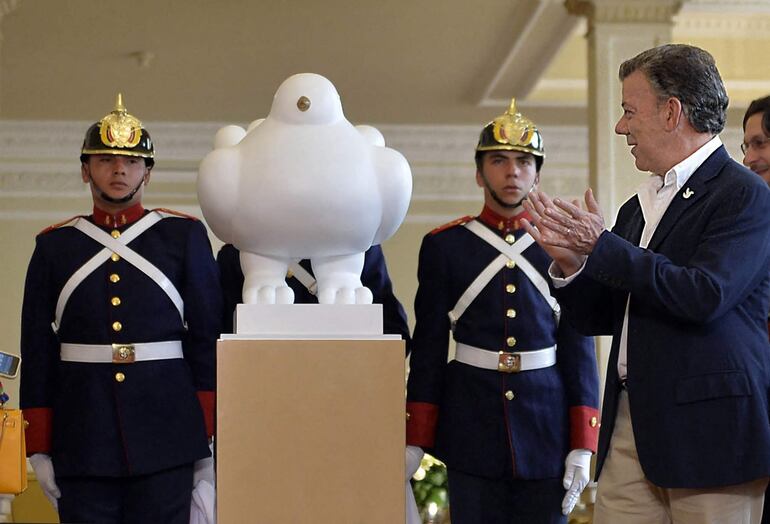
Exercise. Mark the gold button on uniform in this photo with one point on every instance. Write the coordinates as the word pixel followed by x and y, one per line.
pixel 509 395
pixel 115 301
pixel 510 264
pixel 117 326
pixel 115 233
pixel 511 313
pixel 408 416
pixel 510 238
pixel 511 341
pixel 115 257
pixel 510 288
pixel 593 422
pixel 114 278
pixel 120 377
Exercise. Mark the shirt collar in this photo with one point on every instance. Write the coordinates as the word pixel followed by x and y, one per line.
pixel 124 217
pixel 684 169
pixel 501 223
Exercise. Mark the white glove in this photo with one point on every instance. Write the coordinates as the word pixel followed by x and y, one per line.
pixel 203 469
pixel 413 458
pixel 202 506
pixel 577 469
pixel 43 467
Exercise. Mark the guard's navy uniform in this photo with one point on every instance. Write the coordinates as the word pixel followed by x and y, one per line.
pixel 374 276
pixel 506 429
pixel 121 420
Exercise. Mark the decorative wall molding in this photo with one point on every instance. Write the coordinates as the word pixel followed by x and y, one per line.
pixel 40 159
pixel 38 162
pixel 751 26
pixel 625 11
pixel 726 6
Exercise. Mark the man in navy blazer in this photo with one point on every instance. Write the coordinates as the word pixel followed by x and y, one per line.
pixel 682 284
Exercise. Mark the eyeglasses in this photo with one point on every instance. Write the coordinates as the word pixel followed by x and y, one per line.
pixel 756 143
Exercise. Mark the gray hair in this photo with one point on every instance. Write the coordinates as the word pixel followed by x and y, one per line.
pixel 688 74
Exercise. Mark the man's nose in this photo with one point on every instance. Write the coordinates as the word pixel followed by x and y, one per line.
pixel 620 127
pixel 749 157
pixel 119 164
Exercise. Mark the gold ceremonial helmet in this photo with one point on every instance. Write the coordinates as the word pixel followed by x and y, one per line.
pixel 511 131
pixel 118 133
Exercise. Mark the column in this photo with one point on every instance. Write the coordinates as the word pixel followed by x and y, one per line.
pixel 617 31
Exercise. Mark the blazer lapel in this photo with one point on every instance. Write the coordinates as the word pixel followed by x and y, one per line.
pixel 630 224
pixel 693 190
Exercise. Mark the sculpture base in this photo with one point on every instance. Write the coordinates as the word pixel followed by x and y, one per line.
pixel 316 321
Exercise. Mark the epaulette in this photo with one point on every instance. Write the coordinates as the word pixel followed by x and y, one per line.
pixel 457 222
pixel 175 213
pixel 60 224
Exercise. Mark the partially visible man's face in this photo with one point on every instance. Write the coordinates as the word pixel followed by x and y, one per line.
pixel 757 155
pixel 643 123
pixel 507 177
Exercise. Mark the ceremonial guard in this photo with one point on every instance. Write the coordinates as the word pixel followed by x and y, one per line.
pixel 122 309
pixel 514 414
pixel 301 280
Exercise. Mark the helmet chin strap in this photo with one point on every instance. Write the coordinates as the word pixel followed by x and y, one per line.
pixel 500 201
pixel 107 198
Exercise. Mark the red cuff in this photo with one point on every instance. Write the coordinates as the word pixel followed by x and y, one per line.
pixel 37 436
pixel 584 427
pixel 208 402
pixel 421 420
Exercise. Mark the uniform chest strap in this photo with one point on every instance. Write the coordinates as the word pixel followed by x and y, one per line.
pixel 119 246
pixel 507 252
pixel 304 277
pixel 506 362
pixel 121 353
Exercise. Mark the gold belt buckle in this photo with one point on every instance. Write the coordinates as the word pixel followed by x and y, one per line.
pixel 508 362
pixel 123 354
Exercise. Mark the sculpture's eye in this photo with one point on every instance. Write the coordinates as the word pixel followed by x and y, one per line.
pixel 303 104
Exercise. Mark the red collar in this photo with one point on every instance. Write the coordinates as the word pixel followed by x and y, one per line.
pixel 122 218
pixel 501 223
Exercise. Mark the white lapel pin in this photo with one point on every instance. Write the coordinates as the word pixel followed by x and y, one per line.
pixel 688 193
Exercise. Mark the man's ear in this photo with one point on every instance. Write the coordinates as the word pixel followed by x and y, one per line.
pixel 674 113
pixel 147 173
pixel 85 173
pixel 479 179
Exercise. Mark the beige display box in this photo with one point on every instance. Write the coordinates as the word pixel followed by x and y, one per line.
pixel 310 431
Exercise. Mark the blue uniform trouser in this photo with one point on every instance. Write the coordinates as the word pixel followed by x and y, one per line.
pixel 164 497
pixel 475 500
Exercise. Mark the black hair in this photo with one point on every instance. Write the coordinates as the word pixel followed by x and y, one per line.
pixel 760 105
pixel 479 158
pixel 148 162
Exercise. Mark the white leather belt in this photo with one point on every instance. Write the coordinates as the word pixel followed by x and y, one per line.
pixel 121 353
pixel 506 362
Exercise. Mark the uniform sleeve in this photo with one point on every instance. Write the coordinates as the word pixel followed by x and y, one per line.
pixel 576 358
pixel 39 351
pixel 203 314
pixel 375 277
pixel 231 277
pixel 430 343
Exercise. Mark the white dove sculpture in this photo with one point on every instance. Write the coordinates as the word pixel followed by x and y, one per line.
pixel 304 183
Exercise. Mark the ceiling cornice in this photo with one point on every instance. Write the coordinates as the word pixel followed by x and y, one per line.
pixel 625 11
